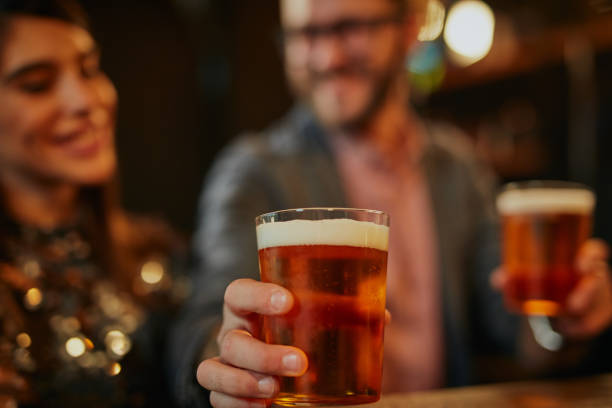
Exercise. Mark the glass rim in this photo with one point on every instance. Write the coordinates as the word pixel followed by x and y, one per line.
pixel 545 184
pixel 303 209
pixel 545 196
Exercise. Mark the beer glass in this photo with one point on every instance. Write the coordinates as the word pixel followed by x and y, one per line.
pixel 543 226
pixel 334 262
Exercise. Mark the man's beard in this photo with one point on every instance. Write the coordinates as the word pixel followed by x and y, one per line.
pixel 382 84
pixel 382 87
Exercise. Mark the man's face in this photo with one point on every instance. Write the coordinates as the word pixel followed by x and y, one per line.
pixel 343 56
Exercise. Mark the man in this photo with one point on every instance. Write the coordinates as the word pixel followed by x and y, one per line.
pixel 353 142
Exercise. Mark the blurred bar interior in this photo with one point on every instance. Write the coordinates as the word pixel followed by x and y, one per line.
pixel 528 81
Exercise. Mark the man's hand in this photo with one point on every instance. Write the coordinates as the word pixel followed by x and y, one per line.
pixel 589 306
pixel 588 310
pixel 244 373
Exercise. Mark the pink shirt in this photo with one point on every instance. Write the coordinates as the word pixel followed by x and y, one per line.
pixel 413 350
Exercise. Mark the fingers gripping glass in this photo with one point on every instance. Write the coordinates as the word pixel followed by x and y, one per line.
pixel 544 223
pixel 334 261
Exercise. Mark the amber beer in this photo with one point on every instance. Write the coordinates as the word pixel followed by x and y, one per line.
pixel 543 228
pixel 336 269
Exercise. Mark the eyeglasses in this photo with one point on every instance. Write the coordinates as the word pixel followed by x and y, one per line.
pixel 345 30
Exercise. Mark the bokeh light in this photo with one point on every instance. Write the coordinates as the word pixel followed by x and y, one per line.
pixel 434 21
pixel 88 343
pixel 152 272
pixel 114 369
pixel 469 31
pixel 32 269
pixel 117 342
pixel 24 340
pixel 75 347
pixel 426 68
pixel 33 298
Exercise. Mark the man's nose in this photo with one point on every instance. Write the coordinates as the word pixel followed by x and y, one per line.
pixel 328 53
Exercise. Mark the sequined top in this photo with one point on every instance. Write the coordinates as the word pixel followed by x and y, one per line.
pixel 71 335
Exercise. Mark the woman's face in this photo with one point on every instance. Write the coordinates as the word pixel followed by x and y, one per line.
pixel 57 109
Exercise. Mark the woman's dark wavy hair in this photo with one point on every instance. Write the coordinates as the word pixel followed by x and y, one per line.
pixel 69 11
pixel 66 10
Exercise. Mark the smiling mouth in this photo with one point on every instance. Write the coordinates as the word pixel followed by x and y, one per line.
pixel 84 142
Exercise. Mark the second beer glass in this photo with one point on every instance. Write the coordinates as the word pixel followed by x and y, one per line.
pixel 334 262
pixel 543 225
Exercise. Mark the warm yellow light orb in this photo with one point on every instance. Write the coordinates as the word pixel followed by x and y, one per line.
pixel 24 340
pixel 75 347
pixel 469 31
pixel 33 298
pixel 114 369
pixel 152 272
pixel 118 342
pixel 434 21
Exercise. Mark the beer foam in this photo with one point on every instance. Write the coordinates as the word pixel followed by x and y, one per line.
pixel 323 232
pixel 546 200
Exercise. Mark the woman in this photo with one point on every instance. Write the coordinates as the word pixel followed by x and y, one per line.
pixel 83 289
